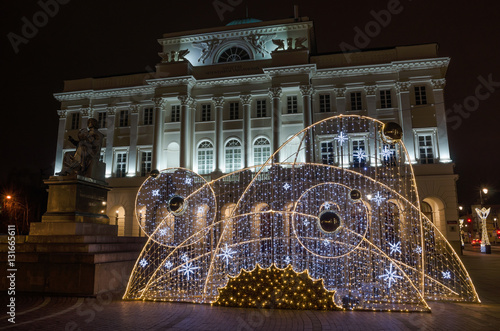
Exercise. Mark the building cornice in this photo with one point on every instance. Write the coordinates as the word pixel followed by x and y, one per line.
pixel 102 94
pixel 234 33
pixel 253 79
pixel 393 67
pixel 189 81
pixel 291 70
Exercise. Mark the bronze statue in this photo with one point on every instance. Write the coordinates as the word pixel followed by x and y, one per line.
pixel 88 150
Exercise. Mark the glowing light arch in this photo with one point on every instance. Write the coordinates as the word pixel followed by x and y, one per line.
pixel 361 262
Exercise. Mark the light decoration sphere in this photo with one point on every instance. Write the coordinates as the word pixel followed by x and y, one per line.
pixel 169 204
pixel 392 132
pixel 329 221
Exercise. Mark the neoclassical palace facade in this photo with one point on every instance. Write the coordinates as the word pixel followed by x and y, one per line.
pixel 226 98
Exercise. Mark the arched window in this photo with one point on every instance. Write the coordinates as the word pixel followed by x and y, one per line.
pixel 426 210
pixel 261 151
pixel 233 155
pixel 205 157
pixel 233 54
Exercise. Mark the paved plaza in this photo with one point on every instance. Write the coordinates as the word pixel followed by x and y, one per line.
pixel 109 312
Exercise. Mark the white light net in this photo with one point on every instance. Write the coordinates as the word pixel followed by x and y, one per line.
pixel 342 205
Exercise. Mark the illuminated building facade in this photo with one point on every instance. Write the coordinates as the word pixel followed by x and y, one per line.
pixel 224 99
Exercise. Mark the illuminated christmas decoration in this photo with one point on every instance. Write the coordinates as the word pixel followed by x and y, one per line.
pixel 227 253
pixel 360 155
pixel 446 274
pixel 390 276
pixel 359 230
pixel 143 263
pixel 386 153
pixel 483 215
pixel 395 248
pixel 341 138
pixel 275 288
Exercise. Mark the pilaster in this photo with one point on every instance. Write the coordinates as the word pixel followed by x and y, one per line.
pixel 110 125
pixel 275 94
pixel 134 121
pixel 246 101
pixel 158 133
pixel 219 140
pixel 403 91
pixel 442 132
pixel 60 139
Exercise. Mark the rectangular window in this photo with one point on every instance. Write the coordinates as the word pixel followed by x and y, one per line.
pixel 261 108
pixel 101 119
pixel 148 116
pixel 121 164
pixel 324 103
pixel 420 95
pixel 327 154
pixel 234 110
pixel 359 154
pixel 425 149
pixel 385 99
pixel 356 101
pixel 75 121
pixel 206 110
pixel 123 118
pixel 291 102
pixel 176 114
pixel 145 163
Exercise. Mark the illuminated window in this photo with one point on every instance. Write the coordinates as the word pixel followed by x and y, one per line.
pixel 205 157
pixel 261 108
pixel 148 116
pixel 233 54
pixel 291 104
pixel 176 113
pixel 121 164
pixel 327 152
pixel 233 155
pixel 261 151
pixel 75 121
pixel 420 95
pixel 324 103
pixel 385 99
pixel 145 163
pixel 356 103
pixel 234 110
pixel 425 149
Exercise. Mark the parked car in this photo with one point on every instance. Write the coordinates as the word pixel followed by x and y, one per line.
pixel 476 242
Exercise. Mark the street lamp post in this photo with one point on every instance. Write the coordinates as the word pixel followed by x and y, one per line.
pixel 483 215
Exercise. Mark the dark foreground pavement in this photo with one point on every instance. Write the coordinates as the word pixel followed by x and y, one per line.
pixel 107 313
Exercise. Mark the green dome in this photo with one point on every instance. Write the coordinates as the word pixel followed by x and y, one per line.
pixel 244 21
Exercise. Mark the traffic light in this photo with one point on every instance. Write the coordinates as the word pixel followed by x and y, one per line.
pixel 469 220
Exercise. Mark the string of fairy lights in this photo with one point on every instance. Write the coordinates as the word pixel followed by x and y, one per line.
pixel 348 218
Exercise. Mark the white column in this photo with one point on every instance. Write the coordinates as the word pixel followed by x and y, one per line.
pixel 134 122
pixel 403 90
pixel 158 134
pixel 275 95
pixel 60 140
pixel 110 134
pixel 246 101
pixel 185 131
pixel 371 100
pixel 442 132
pixel 84 117
pixel 219 139
pixel 307 111
pixel 191 133
pixel 340 99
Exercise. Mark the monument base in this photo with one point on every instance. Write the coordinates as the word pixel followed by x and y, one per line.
pixel 74 250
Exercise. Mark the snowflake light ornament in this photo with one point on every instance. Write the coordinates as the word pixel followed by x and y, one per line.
pixel 386 153
pixel 227 253
pixel 287 260
pixel 188 181
pixel 188 269
pixel 184 258
pixel 287 186
pixel 418 250
pixel 378 199
pixel 156 193
pixel 341 138
pixel 390 276
pixel 143 263
pixel 446 274
pixel 168 264
pixel 162 232
pixel 395 248
pixel 360 155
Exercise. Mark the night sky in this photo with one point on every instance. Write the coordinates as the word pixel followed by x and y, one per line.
pixel 104 38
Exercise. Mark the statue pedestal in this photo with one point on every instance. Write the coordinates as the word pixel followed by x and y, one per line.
pixel 74 250
pixel 76 199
